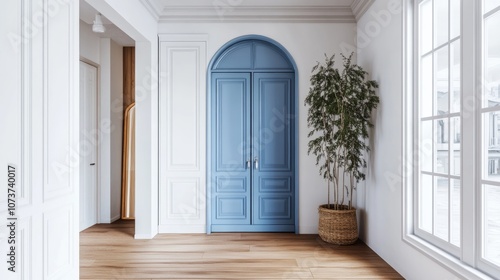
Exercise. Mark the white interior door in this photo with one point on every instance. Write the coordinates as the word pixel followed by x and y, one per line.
pixel 88 145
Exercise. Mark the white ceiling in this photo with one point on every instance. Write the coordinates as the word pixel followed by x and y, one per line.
pixel 87 15
pixel 235 10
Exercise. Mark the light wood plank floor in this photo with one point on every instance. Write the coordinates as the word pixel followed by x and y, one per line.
pixel 110 252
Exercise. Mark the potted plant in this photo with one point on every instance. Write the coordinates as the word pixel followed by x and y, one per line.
pixel 340 105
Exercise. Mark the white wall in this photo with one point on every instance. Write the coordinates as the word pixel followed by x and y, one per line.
pixel 105 129
pixel 380 199
pixel 108 55
pixel 117 131
pixel 134 19
pixel 89 43
pixel 110 131
pixel 307 43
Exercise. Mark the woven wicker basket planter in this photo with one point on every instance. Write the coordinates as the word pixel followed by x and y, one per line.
pixel 338 227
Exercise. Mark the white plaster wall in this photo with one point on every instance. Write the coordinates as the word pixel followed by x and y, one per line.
pixel 146 141
pixel 117 131
pixel 109 57
pixel 110 129
pixel 380 200
pixel 105 129
pixel 307 43
pixel 134 19
pixel 89 43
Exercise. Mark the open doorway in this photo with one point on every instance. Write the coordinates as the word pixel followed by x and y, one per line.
pixel 112 53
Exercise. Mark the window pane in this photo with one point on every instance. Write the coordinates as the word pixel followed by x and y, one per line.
pixel 425 26
pixel 425 203
pixel 491 199
pixel 491 146
pixel 455 146
pixel 490 5
pixel 441 81
pixel 455 18
pixel 455 212
pixel 456 87
pixel 426 144
pixel 439 122
pixel 426 86
pixel 492 61
pixel 441 206
pixel 441 150
pixel 440 22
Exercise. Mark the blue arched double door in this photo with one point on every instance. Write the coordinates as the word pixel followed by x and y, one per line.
pixel 252 99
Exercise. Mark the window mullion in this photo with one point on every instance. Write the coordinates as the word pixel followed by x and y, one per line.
pixel 470 122
pixel 450 141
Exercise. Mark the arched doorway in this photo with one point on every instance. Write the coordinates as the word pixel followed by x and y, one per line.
pixel 252 138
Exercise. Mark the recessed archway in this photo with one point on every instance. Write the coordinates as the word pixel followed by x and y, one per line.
pixel 252 147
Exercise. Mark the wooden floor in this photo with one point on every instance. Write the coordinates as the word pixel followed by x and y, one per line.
pixel 110 252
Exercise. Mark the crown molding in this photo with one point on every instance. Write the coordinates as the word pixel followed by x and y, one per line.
pixel 153 7
pixel 343 11
pixel 359 7
pixel 200 14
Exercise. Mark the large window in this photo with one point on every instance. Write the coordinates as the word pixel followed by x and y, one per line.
pixel 456 190
pixel 439 84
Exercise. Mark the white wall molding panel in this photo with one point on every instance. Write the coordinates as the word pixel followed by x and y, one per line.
pixel 182 133
pixel 40 129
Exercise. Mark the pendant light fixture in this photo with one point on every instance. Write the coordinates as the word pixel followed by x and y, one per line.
pixel 98 27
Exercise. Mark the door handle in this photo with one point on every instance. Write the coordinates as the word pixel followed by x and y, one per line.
pixel 92 163
pixel 256 161
pixel 248 164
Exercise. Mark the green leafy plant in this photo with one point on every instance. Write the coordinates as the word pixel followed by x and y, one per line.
pixel 340 105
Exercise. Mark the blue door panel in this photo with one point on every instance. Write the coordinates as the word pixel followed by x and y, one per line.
pixel 274 209
pixel 268 57
pixel 230 176
pixel 272 94
pixel 236 57
pixel 252 55
pixel 275 184
pixel 232 209
pixel 272 187
pixel 232 123
pixel 232 184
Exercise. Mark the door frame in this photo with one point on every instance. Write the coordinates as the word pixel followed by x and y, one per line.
pixel 98 150
pixel 214 58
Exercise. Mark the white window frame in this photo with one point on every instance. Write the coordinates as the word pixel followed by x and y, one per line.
pixel 468 263
pixel 482 263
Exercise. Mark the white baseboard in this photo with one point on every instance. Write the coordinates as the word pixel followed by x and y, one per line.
pixel 308 230
pixel 144 236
